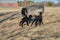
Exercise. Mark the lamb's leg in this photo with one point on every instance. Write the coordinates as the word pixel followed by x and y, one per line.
pixel 36 23
pixel 21 23
pixel 27 23
pixel 32 22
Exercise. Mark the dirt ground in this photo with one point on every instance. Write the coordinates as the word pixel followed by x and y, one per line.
pixel 10 29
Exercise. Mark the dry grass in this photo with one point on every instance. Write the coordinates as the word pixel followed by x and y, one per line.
pixel 10 29
pixel 9 9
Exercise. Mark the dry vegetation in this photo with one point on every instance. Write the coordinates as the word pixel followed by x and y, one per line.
pixel 10 29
